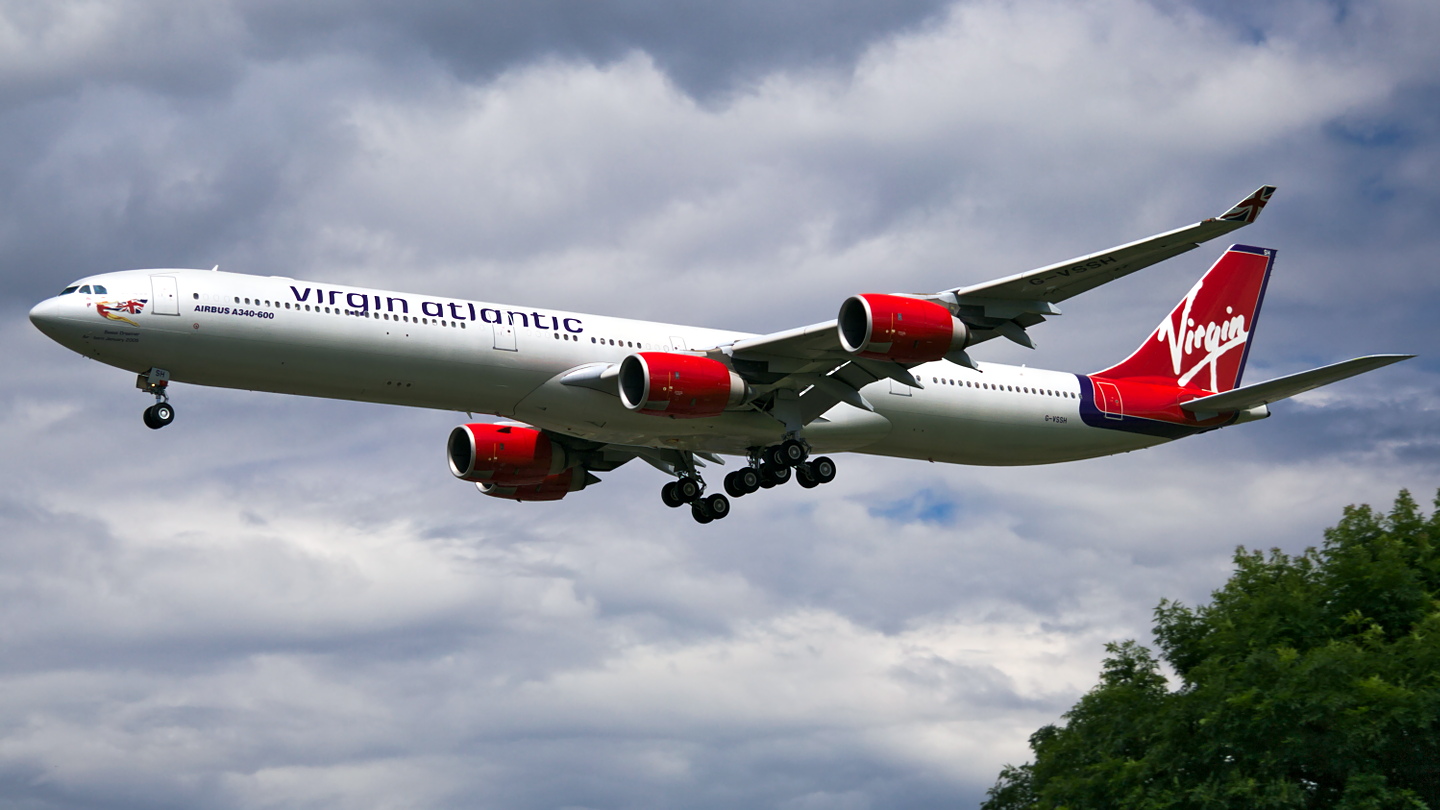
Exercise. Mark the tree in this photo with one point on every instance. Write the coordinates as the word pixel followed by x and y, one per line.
pixel 1309 681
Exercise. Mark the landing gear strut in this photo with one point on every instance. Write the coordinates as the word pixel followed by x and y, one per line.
pixel 154 382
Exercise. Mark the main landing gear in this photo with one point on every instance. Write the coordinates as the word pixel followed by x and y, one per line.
pixel 769 467
pixel 776 465
pixel 154 382
pixel 690 489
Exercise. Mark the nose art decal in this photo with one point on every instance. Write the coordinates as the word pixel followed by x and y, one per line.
pixel 112 311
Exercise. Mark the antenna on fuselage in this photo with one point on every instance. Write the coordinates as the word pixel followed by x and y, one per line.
pixel 215 269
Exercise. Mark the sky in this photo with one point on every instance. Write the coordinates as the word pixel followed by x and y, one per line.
pixel 288 602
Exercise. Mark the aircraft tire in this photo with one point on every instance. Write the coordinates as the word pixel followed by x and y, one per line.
pixel 700 513
pixel 792 453
pixel 823 468
pixel 733 487
pixel 670 496
pixel 774 456
pixel 688 489
pixel 805 477
pixel 748 479
pixel 717 506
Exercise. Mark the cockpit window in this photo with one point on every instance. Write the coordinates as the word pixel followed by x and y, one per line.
pixel 98 289
pixel 85 289
pixel 68 290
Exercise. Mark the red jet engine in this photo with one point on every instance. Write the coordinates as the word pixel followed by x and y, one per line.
pixel 551 488
pixel 904 330
pixel 682 386
pixel 504 455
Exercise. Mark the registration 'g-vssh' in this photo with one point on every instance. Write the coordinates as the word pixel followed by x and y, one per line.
pixel 583 394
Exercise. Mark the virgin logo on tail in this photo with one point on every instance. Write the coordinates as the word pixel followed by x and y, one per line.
pixel 1186 338
pixel 1205 330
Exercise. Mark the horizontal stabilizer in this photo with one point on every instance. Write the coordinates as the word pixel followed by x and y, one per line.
pixel 1252 396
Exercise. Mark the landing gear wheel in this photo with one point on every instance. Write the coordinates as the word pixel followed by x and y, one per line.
pixel 772 456
pixel 748 479
pixel 670 496
pixel 823 469
pixel 772 475
pixel 733 486
pixel 805 476
pixel 700 512
pixel 717 505
pixel 158 415
pixel 793 453
pixel 688 489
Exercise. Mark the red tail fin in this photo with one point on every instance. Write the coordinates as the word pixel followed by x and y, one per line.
pixel 1204 342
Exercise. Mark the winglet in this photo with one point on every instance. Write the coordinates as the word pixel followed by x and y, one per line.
pixel 1249 208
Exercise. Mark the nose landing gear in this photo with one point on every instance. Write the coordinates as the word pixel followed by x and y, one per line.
pixel 154 382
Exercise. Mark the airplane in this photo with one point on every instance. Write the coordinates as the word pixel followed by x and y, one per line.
pixel 580 394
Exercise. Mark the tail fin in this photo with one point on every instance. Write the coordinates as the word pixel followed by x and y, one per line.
pixel 1205 341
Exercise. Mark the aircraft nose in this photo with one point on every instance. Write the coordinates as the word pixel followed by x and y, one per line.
pixel 46 316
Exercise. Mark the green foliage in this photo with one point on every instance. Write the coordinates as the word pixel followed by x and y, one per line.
pixel 1309 681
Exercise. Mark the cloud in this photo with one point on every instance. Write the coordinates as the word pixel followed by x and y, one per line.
pixel 281 601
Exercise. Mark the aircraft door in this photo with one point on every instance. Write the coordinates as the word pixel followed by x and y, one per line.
pixel 164 295
pixel 505 337
pixel 1107 399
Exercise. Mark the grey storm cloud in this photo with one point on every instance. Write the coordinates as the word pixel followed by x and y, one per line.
pixel 289 602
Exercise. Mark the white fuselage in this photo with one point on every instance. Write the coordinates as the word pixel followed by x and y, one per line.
pixel 296 337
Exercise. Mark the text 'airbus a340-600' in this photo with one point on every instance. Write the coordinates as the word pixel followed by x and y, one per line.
pixel 582 394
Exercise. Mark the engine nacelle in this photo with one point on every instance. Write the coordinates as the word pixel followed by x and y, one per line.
pixel 505 455
pixel 551 488
pixel 905 330
pixel 678 385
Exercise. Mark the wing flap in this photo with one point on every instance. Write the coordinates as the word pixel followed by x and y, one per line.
pixel 1251 396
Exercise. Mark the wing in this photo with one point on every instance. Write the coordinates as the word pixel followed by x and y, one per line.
pixel 1252 396
pixel 810 363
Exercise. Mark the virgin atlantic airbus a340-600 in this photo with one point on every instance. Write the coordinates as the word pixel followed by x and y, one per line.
pixel 583 394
